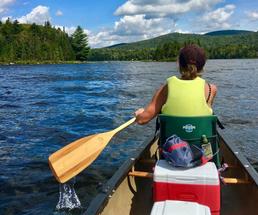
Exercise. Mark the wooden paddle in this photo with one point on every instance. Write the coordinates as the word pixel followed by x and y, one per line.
pixel 76 156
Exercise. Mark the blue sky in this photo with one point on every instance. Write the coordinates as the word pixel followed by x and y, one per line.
pixel 108 22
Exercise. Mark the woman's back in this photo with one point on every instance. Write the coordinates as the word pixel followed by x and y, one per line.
pixel 186 98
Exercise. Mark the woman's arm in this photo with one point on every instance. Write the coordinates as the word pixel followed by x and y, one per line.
pixel 143 116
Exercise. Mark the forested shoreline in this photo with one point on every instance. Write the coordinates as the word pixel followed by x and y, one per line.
pixel 38 44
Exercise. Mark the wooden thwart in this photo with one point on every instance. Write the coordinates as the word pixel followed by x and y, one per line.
pixel 235 181
pixel 150 175
pixel 141 174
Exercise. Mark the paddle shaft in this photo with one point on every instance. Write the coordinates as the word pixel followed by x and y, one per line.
pixel 70 160
pixel 123 126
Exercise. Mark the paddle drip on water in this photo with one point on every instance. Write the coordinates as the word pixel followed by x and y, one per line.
pixel 68 198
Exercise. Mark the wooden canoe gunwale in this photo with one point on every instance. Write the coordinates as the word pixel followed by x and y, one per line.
pixel 100 201
pixel 253 175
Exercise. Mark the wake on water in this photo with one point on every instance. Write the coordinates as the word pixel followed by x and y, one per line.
pixel 68 198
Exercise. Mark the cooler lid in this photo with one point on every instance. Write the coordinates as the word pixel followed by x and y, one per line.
pixel 206 174
pixel 179 208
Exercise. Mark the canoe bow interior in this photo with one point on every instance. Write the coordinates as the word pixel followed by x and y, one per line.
pixel 129 191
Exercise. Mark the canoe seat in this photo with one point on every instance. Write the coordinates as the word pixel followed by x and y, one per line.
pixel 191 130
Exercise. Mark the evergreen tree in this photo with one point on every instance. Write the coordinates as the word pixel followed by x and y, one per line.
pixel 16 27
pixel 80 44
pixel 33 43
pixel 47 24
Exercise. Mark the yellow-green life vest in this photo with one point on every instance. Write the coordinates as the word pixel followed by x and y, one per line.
pixel 186 98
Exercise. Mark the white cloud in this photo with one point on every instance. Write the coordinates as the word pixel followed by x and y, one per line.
pixel 4 4
pixel 131 29
pixel 108 38
pixel 252 15
pixel 4 18
pixel 182 31
pixel 61 27
pixel 144 19
pixel 38 15
pixel 70 30
pixel 218 19
pixel 163 8
pixel 103 38
pixel 220 15
pixel 99 39
pixel 138 25
pixel 59 13
pixel 93 39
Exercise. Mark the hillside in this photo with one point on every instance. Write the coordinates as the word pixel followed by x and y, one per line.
pixel 228 32
pixel 24 43
pixel 154 42
pixel 220 44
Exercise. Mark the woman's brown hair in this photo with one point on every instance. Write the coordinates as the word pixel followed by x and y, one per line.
pixel 192 59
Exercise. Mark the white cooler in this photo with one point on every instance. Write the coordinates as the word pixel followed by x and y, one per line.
pixel 170 207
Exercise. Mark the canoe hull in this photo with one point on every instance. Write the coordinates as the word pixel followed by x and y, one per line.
pixel 124 194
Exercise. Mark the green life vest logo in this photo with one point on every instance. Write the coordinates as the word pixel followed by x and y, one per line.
pixel 189 128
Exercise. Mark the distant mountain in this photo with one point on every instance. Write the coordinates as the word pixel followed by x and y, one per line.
pixel 219 44
pixel 228 32
pixel 178 37
pixel 154 42
pixel 117 45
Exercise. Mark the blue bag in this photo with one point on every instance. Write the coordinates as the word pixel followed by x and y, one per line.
pixel 180 154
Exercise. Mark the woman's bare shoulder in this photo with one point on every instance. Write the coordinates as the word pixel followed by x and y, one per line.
pixel 214 89
pixel 212 86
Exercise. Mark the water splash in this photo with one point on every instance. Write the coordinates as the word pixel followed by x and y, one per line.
pixel 68 198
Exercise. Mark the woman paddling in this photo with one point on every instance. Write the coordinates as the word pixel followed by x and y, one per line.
pixel 189 95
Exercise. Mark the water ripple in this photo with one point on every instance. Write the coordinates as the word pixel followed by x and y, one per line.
pixel 45 107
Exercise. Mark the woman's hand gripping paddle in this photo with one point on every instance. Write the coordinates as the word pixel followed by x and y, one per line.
pixel 76 156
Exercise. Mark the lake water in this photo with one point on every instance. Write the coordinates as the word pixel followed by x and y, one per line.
pixel 45 107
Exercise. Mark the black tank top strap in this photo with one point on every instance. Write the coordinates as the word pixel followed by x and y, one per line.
pixel 209 95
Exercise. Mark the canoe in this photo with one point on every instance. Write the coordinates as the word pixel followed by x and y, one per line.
pixel 129 191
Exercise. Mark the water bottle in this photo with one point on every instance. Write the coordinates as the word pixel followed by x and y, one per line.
pixel 206 146
pixel 204 139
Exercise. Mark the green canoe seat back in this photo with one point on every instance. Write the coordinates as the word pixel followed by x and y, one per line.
pixel 191 130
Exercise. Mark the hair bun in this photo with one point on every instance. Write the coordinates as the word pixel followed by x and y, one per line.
pixel 192 54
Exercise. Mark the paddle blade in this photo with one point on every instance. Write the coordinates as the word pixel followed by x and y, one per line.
pixel 73 158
